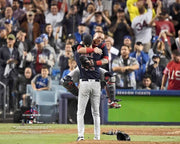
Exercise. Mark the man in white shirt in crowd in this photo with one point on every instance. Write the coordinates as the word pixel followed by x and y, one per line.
pixel 55 17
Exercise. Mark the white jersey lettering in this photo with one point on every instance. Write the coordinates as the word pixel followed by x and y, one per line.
pixel 177 74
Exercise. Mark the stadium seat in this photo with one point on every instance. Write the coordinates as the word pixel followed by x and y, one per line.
pixel 55 82
pixel 45 98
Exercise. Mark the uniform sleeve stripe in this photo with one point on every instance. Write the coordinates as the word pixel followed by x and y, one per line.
pixel 103 45
pixel 89 50
pixel 99 63
pixel 79 46
pixel 106 57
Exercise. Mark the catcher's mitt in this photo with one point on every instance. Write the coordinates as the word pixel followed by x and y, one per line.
pixel 85 62
pixel 121 136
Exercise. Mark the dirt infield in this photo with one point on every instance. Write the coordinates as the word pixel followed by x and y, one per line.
pixel 137 131
pixel 131 131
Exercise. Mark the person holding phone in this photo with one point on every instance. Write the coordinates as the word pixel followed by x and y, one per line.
pixel 156 70
pixel 120 28
pixel 99 16
pixel 162 25
pixel 162 49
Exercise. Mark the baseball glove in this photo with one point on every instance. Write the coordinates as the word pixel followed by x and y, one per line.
pixel 121 136
pixel 85 62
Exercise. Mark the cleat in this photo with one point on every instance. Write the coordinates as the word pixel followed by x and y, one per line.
pixel 114 105
pixel 96 138
pixel 80 138
pixel 117 100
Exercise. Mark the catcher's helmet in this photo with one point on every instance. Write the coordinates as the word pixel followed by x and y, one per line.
pixel 122 136
pixel 87 40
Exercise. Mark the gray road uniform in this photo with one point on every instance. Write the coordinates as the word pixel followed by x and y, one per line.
pixel 89 88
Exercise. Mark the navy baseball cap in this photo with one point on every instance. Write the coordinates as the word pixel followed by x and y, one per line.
pixel 127 37
pixel 156 56
pixel 87 40
pixel 154 39
pixel 138 43
pixel 120 11
pixel 70 36
pixel 82 24
pixel 44 36
pixel 8 21
pixel 39 40
pixel 98 13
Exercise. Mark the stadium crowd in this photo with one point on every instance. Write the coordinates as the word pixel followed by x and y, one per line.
pixel 142 38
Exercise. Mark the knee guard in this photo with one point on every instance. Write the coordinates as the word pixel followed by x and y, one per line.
pixel 110 85
pixel 70 85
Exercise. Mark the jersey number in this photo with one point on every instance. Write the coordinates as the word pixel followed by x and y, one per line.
pixel 176 74
pixel 140 26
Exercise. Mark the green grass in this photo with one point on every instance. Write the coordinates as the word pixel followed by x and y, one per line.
pixel 38 138
pixel 11 126
pixel 65 138
pixel 146 109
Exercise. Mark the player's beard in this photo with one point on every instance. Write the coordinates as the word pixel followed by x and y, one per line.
pixel 97 42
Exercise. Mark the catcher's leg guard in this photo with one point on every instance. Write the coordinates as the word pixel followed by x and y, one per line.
pixel 70 86
pixel 111 90
pixel 110 85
